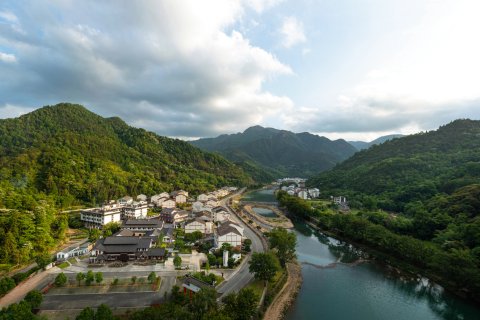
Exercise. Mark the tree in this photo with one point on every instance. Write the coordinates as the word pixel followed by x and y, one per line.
pixel 152 277
pixel 43 260
pixel 284 242
pixel 179 244
pixel 247 243
pixel 177 261
pixel 133 279
pixel 34 298
pixel 203 301
pixel 263 265
pixel 80 277
pixel 86 314
pixel 89 278
pixel 245 300
pixel 93 234
pixel 110 228
pixel 98 277
pixel 104 313
pixel 60 280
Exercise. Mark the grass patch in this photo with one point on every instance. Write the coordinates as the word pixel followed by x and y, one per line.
pixel 257 287
pixel 72 260
pixel 64 265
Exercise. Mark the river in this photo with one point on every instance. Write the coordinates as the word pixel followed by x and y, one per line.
pixel 365 291
pixel 334 288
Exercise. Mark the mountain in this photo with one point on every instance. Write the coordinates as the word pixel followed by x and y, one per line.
pixel 274 153
pixel 75 156
pixel 361 145
pixel 411 168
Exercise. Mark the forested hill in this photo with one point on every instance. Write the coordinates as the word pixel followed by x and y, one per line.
pixel 413 168
pixel 72 155
pixel 276 153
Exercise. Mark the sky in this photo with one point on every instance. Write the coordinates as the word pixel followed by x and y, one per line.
pixel 352 69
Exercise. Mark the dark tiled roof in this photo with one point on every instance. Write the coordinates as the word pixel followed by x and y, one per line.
pixel 189 280
pixel 124 233
pixel 156 252
pixel 142 222
pixel 226 228
pixel 120 240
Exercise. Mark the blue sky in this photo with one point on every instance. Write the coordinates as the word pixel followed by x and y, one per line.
pixel 353 69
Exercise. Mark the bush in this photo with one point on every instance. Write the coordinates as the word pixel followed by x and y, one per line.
pixel 6 284
pixel 115 282
pixel 34 298
pixel 60 280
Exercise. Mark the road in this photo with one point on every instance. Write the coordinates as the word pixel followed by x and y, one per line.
pixel 241 276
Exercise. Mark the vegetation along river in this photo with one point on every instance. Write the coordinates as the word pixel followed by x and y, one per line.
pixel 338 285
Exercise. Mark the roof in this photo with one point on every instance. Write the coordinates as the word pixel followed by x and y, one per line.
pixel 196 220
pixel 124 233
pixel 226 228
pixel 194 284
pixel 218 209
pixel 156 252
pixel 155 223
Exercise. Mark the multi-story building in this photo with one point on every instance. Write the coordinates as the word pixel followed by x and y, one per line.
pixel 135 210
pixel 98 217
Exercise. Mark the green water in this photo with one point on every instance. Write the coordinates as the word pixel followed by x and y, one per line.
pixel 366 291
pixel 262 195
pixel 264 212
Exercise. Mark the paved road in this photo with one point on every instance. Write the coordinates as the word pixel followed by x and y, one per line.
pixel 242 276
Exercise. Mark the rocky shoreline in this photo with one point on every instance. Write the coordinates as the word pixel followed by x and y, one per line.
pixel 286 297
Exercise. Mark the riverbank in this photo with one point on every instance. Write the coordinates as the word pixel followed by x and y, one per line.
pixel 396 266
pixel 281 221
pixel 287 295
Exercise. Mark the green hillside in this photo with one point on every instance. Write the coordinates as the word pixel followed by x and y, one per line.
pixel 76 156
pixel 272 153
pixel 412 168
pixel 428 184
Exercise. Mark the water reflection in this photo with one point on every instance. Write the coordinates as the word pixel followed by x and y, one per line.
pixel 371 290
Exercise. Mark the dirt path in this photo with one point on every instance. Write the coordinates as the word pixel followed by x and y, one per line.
pixel 287 295
pixel 20 291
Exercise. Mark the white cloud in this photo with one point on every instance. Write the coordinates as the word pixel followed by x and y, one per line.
pixel 12 111
pixel 292 32
pixel 176 67
pixel 431 81
pixel 6 57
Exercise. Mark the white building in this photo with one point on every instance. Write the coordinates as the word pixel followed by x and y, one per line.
pixel 314 193
pixel 169 203
pixel 98 217
pixel 303 194
pixel 229 232
pixel 141 197
pixel 197 224
pixel 135 210
pixel 125 200
pixel 202 198
pixel 73 252
pixel 339 200
pixel 180 198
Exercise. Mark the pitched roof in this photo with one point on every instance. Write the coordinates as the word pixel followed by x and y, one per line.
pixel 226 228
pixel 195 284
pixel 156 252
pixel 151 223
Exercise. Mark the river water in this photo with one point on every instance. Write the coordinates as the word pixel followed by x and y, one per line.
pixel 365 291
pixel 334 288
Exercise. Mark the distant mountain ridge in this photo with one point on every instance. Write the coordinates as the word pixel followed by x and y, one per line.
pixel 75 156
pixel 278 153
pixel 361 145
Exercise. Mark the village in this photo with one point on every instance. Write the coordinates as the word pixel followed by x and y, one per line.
pixel 158 229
